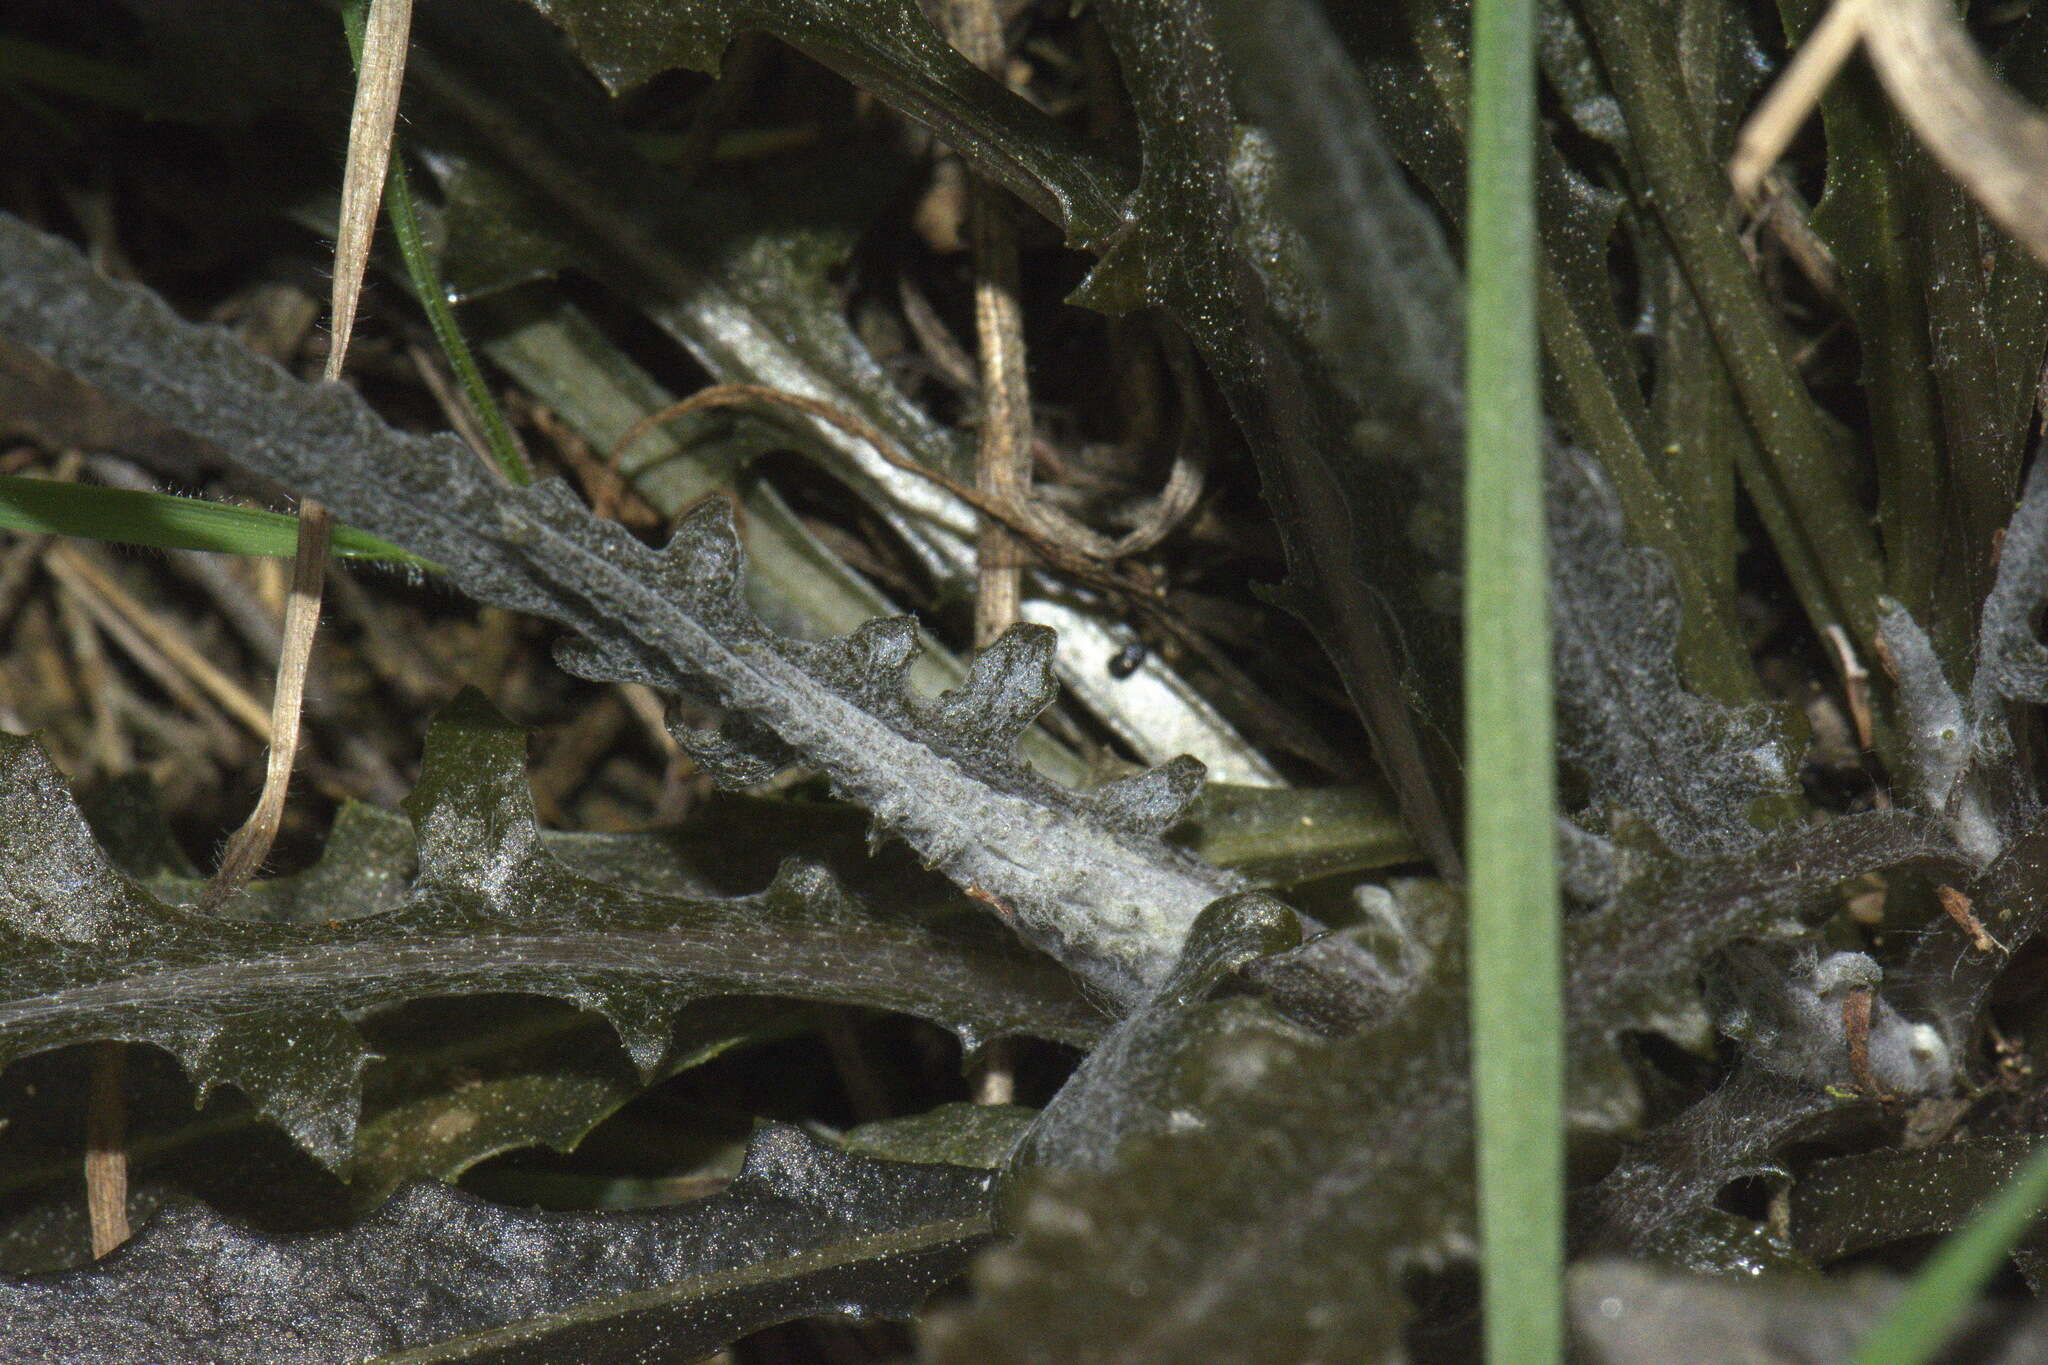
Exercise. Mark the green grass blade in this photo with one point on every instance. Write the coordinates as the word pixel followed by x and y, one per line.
pixel 1917 1325
pixel 426 285
pixel 1517 994
pixel 161 521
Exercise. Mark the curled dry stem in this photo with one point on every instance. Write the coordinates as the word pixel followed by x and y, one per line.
pixel 1993 142
pixel 1062 543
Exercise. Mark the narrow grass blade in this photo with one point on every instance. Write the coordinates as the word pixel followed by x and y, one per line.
pixel 433 296
pixel 1917 1325
pixel 1517 998
pixel 163 521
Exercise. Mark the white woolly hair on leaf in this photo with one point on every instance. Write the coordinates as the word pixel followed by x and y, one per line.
pixel 1791 1020
pixel 1688 767
pixel 1940 737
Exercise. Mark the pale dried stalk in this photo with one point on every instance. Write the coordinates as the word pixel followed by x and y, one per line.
pixel 1003 461
pixel 1770 129
pixel 1993 142
pixel 1855 681
pixel 1987 137
pixel 370 129
pixel 378 83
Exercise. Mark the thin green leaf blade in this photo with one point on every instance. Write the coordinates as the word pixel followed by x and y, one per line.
pixel 1517 1004
pixel 1946 1287
pixel 165 521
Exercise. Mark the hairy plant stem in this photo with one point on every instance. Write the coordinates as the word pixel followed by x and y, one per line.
pixel 433 299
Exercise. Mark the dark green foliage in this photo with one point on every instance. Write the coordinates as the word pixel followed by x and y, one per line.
pixel 803 1229
pixel 1088 876
pixel 1270 1147
pixel 1266 1146
pixel 267 1006
pixel 1856 1203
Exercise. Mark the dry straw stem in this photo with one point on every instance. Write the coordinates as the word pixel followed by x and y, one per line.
pixel 1003 459
pixel 128 620
pixel 1992 141
pixel 378 82
pixel 1061 542
pixel 1003 454
pixel 106 1155
pixel 1770 129
pixel 1982 133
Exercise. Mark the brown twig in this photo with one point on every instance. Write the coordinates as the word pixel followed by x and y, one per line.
pixel 395 654
pixel 932 334
pixel 1050 535
pixel 611 492
pixel 100 693
pixel 1781 212
pixel 575 750
pixel 1855 680
pixel 1054 551
pixel 106 1150
pixel 1856 1010
pixel 454 407
pixel 78 589
pixel 100 589
pixel 1137 590
pixel 1958 908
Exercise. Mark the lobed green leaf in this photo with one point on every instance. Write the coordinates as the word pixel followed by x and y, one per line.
pixel 268 1006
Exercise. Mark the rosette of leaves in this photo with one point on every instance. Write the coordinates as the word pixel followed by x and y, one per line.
pixel 1086 876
